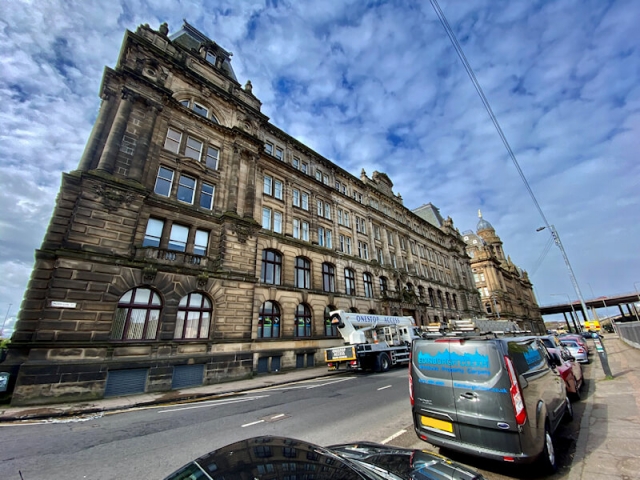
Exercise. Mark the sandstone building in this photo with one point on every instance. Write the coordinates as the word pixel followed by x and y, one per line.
pixel 505 290
pixel 197 242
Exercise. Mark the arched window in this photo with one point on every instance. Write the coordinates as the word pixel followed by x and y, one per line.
pixel 440 301
pixel 421 291
pixel 353 310
pixel 432 300
pixel 372 312
pixel 384 286
pixel 487 307
pixel 194 317
pixel 368 285
pixel 349 281
pixel 329 329
pixel 137 315
pixel 303 272
pixel 271 267
pixel 398 286
pixel 436 319
pixel 410 287
pixel 303 321
pixel 448 297
pixel 455 301
pixel 328 277
pixel 269 320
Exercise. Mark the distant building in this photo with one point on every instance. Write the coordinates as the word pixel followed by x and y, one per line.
pixel 197 242
pixel 505 290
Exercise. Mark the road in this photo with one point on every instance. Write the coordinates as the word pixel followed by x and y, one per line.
pixel 153 442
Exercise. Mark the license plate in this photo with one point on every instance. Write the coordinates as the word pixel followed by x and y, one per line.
pixel 437 424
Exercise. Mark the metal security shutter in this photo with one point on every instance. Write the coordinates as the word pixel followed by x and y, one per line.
pixel 300 360
pixel 275 364
pixel 126 382
pixel 311 360
pixel 187 376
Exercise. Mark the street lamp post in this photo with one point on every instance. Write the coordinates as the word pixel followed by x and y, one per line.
pixel 575 315
pixel 556 239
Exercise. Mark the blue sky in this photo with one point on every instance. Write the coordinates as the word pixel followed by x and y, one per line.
pixel 374 85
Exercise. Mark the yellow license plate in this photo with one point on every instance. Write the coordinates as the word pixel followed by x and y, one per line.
pixel 437 424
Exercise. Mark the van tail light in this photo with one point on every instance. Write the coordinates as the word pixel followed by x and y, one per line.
pixel 516 393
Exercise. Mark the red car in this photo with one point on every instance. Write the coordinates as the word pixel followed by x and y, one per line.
pixel 569 370
pixel 577 338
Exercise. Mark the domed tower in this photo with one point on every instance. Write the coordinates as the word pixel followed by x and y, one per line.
pixel 486 231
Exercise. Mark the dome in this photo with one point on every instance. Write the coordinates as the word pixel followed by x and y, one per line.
pixel 483 224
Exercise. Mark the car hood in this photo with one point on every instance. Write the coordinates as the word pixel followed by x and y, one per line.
pixel 281 457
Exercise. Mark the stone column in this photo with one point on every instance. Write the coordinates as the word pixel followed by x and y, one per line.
pixel 97 131
pixel 250 188
pixel 144 140
pixel 119 126
pixel 234 167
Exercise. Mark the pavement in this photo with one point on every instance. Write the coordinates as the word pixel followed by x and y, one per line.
pixel 608 445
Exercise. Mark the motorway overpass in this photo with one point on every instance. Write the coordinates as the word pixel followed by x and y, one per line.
pixel 626 301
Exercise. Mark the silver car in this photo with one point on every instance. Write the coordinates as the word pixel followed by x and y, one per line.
pixel 577 350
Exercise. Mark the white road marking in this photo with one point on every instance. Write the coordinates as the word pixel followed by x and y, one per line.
pixel 252 423
pixel 382 388
pixel 395 435
pixel 277 416
pixel 215 403
pixel 330 383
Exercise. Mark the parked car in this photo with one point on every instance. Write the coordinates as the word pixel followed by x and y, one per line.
pixel 288 458
pixel 577 350
pixel 499 398
pixel 569 369
pixel 576 338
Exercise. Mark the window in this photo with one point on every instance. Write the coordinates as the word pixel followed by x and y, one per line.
pixel 279 154
pixel 277 222
pixel 303 321
pixel 390 238
pixel 318 175
pixel 440 301
pixel 448 299
pixel 154 233
pixel 324 237
pixel 403 245
pixel 357 196
pixel 304 167
pixel 330 330
pixel 432 300
pixel 325 179
pixel 361 226
pixel 376 232
pixel 380 256
pixel 269 320
pixel 413 247
pixel 394 262
pixel 320 208
pixel 345 244
pixel 368 285
pixel 268 185
pixel 350 281
pixel 302 273
pixel 137 315
pixel 172 142
pixel 271 267
pixel 200 110
pixel 305 201
pixel 206 196
pixel 211 58
pixel 296 197
pixel 478 277
pixel 300 230
pixel 296 163
pixel 186 189
pixel 277 190
pixel 363 250
pixel 193 149
pixel 213 155
pixel 347 223
pixel 164 182
pixel 194 317
pixel 339 214
pixel 455 301
pixel 327 211
pixel 266 218
pixel 328 277
pixel 268 147
pixel 200 243
pixel 178 238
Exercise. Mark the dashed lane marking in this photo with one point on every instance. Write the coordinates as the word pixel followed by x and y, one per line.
pixel 382 388
pixel 215 403
pixel 395 435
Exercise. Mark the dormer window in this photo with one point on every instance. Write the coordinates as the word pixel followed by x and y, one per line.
pixel 211 58
pixel 199 109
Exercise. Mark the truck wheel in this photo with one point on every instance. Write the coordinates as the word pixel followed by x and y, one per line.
pixel 383 362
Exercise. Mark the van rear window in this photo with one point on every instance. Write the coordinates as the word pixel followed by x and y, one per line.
pixel 462 361
pixel 527 356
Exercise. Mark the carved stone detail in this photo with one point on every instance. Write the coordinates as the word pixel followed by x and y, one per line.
pixel 114 198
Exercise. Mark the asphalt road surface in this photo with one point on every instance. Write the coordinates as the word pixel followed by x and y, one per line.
pixel 153 442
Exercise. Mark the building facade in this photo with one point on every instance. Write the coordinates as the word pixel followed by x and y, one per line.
pixel 197 242
pixel 505 290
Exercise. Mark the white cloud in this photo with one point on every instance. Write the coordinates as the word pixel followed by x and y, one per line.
pixel 374 86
